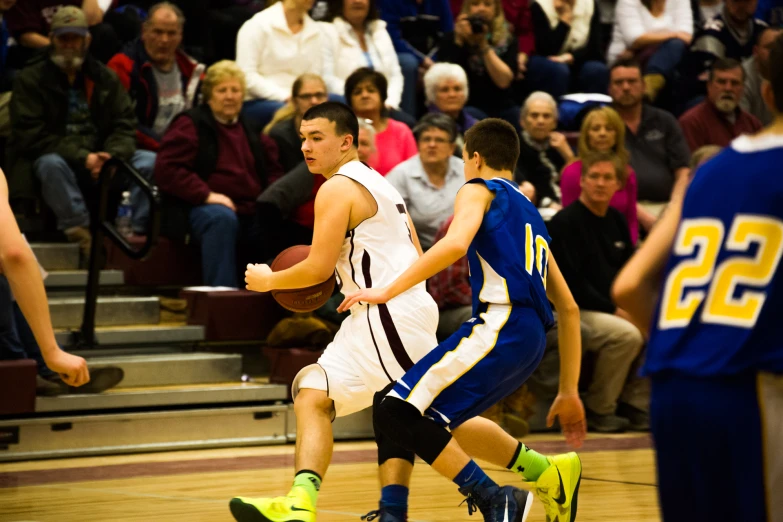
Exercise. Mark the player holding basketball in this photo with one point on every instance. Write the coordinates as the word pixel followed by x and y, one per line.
pixel 362 227
pixel 513 277
pixel 715 354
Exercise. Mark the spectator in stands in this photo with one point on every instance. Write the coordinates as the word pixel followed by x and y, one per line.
pixel 415 27
pixel 659 153
pixel 731 34
pixel 751 101
pixel 704 10
pixel 29 23
pixel 446 90
pixel 17 341
pixel 161 78
pixel 70 114
pixel 771 12
pixel 569 54
pixel 603 131
pixel 308 90
pixel 591 242
pixel 429 181
pixel 365 91
pixel 483 46
pixel 275 47
pixel 657 32
pixel 357 38
pixel 719 119
pixel 212 166
pixel 543 152
pixel 518 16
pixel 368 152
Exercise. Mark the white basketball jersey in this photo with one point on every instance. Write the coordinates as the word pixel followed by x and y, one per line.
pixel 381 248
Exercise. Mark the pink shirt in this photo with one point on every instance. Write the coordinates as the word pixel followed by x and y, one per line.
pixel 623 200
pixel 395 145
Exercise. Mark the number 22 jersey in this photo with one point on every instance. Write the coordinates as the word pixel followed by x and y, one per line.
pixel 721 303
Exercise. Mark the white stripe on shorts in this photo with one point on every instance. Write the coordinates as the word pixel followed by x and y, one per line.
pixel 457 362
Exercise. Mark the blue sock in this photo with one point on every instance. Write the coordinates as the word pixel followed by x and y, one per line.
pixel 394 499
pixel 473 475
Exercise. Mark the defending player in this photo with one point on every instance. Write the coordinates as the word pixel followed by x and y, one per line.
pixel 715 354
pixel 513 276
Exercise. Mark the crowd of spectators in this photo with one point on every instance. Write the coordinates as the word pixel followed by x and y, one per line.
pixel 205 97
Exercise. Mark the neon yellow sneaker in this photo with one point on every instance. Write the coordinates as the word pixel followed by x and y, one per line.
pixel 294 507
pixel 558 487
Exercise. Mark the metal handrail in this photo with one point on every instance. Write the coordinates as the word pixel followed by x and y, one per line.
pixel 99 226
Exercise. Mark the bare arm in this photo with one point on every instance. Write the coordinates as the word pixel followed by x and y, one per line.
pixel 500 73
pixel 34 40
pixel 635 288
pixel 567 406
pixel 569 335
pixel 469 208
pixel 333 206
pixel 24 276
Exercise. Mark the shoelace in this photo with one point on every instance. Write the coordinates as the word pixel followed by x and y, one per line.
pixel 372 515
pixel 472 504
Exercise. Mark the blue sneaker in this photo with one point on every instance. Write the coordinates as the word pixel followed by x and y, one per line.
pixel 498 504
pixel 382 516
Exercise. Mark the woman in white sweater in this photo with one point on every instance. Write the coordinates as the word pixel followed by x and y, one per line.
pixel 358 38
pixel 655 32
pixel 275 47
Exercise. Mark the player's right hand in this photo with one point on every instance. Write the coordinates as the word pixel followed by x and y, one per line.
pixel 72 369
pixel 571 412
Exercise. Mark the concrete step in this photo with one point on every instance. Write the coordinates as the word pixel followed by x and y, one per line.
pixel 57 256
pixel 78 279
pixel 67 312
pixel 165 396
pixel 173 368
pixel 140 335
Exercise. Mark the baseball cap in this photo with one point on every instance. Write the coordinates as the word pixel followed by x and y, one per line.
pixel 69 19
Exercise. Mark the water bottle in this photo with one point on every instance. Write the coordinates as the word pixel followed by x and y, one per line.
pixel 125 216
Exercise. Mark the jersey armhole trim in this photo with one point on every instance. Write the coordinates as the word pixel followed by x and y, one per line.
pixel 377 205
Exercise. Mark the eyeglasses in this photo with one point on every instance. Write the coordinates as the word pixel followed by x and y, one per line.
pixel 317 96
pixel 436 141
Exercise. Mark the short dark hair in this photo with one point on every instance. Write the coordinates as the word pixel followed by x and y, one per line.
pixel 335 9
pixel 725 64
pixel 775 74
pixel 496 141
pixel 630 63
pixel 620 168
pixel 436 120
pixel 365 74
pixel 166 5
pixel 344 119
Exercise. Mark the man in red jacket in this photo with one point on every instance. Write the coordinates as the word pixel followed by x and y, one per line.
pixel 160 77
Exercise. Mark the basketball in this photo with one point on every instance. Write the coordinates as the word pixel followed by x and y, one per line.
pixel 302 299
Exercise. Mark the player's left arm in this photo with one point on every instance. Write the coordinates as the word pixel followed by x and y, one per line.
pixel 332 216
pixel 471 204
pixel 567 406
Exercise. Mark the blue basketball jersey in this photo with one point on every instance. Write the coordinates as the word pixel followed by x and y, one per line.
pixel 721 305
pixel 508 258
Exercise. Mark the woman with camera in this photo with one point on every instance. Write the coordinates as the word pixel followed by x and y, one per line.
pixel 483 45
